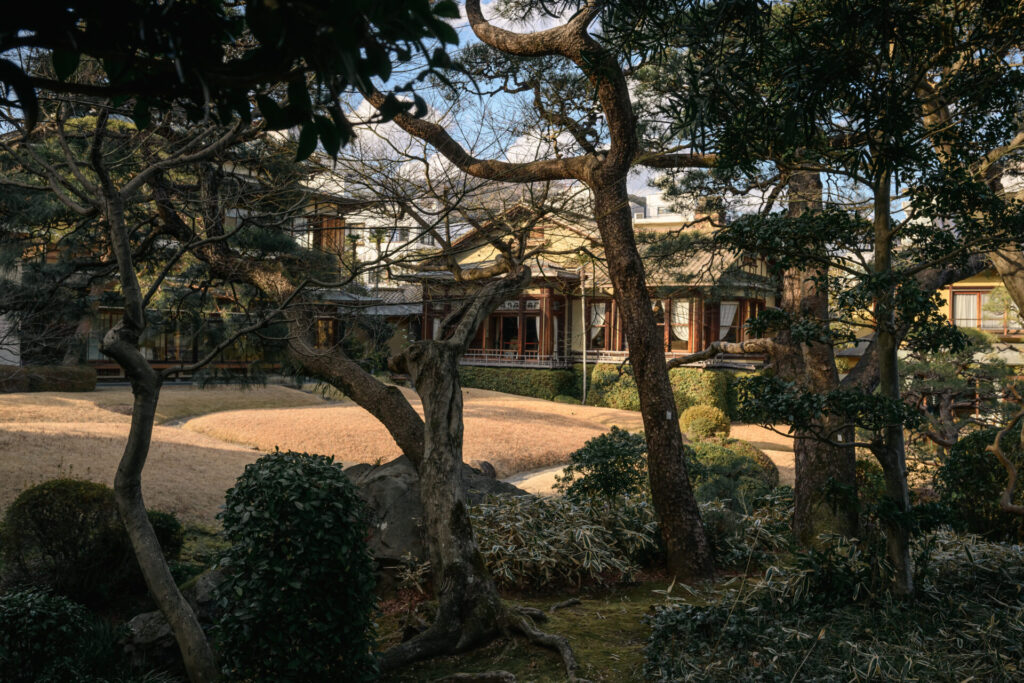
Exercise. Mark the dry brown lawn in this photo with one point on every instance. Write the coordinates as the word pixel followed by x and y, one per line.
pixel 513 433
pixel 193 462
pixel 48 435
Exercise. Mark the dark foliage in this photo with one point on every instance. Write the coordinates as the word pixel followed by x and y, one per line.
pixel 970 481
pixel 66 535
pixel 299 598
pixel 46 638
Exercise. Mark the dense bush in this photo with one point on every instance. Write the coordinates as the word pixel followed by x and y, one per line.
pixel 65 534
pixel 19 378
pixel 544 543
pixel 612 386
pixel 546 384
pixel 703 422
pixel 46 638
pixel 727 475
pixel 609 465
pixel 614 464
pixel 570 400
pixel 828 617
pixel 970 481
pixel 299 597
pixel 747 449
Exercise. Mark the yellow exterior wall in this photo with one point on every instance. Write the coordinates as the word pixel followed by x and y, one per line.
pixel 987 279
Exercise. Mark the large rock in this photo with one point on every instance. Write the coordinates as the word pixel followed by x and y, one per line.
pixel 149 638
pixel 392 492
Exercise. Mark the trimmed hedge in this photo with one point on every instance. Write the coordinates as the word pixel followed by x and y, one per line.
pixel 703 422
pixel 546 384
pixel 22 378
pixel 610 386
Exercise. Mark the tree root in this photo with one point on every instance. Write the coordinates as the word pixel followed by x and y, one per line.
pixel 521 623
pixel 436 641
pixel 571 602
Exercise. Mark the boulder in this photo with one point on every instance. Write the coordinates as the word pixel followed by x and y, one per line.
pixel 392 492
pixel 149 638
pixel 149 641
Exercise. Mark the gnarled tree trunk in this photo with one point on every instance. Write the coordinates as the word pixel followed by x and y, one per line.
pixel 469 607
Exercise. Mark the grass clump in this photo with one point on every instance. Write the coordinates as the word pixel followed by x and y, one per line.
pixel 828 615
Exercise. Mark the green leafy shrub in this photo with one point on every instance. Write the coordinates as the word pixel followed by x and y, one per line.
pixel 544 543
pixel 20 378
pixel 612 386
pixel 66 535
pixel 47 638
pixel 562 398
pixel 299 597
pixel 609 465
pixel 827 617
pixel 546 384
pixel 724 474
pixel 749 450
pixel 703 422
pixel 970 481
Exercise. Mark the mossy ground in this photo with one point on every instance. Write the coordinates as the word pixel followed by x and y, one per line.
pixel 606 631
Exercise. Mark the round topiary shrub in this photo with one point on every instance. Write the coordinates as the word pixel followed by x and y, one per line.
pixel 299 598
pixel 703 422
pixel 609 465
pixel 46 637
pixel 747 449
pixel 726 475
pixel 66 535
pixel 970 481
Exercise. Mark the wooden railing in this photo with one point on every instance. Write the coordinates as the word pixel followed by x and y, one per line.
pixel 512 359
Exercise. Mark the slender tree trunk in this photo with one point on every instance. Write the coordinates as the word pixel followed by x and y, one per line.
pixel 470 611
pixel 689 556
pixel 195 650
pixel 892 453
pixel 122 344
pixel 826 484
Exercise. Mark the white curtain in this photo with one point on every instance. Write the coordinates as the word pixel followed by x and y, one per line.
pixel 597 317
pixel 680 317
pixel 726 316
pixel 965 310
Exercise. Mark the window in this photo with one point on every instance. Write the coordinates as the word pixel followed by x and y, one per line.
pixel 665 211
pixel 400 234
pixel 728 321
pixel 599 325
pixel 679 325
pixel 969 311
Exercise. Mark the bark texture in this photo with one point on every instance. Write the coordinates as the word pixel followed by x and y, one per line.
pixel 825 497
pixel 689 555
